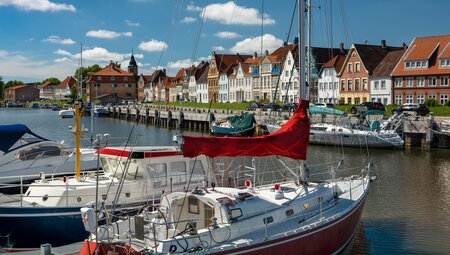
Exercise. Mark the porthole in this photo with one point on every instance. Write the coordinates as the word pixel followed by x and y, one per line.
pixel 45 198
pixel 127 194
pixel 289 212
pixel 268 220
pixel 306 205
pixel 79 199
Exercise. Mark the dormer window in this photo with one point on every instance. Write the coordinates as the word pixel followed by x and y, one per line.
pixel 113 78
pixel 99 78
pixel 444 63
pixel 416 64
pixel 125 78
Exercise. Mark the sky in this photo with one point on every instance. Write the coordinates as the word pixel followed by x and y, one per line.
pixel 42 38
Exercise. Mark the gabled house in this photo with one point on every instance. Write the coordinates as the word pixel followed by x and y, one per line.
pixel 423 71
pixel 194 76
pixel 144 88
pixel 254 70
pixel 111 84
pixel 62 90
pixel 21 93
pixel 202 86
pixel 358 67
pixel 46 90
pixel 328 89
pixel 221 64
pixel 156 89
pixel 289 79
pixel 381 80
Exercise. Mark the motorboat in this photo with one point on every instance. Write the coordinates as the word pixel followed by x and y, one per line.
pixel 49 210
pixel 24 155
pixel 69 113
pixel 100 111
pixel 237 125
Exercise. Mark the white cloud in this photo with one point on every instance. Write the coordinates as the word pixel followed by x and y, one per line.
pixel 132 24
pixel 153 45
pixel 230 13
pixel 30 39
pixel 182 63
pixel 38 5
pixel 59 40
pixel 208 58
pixel 60 60
pixel 218 48
pixel 194 8
pixel 188 20
pixel 252 44
pixel 227 35
pixel 62 52
pixel 3 53
pixel 107 34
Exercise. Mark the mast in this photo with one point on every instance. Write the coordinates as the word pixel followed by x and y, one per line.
pixel 308 59
pixel 77 140
pixel 301 50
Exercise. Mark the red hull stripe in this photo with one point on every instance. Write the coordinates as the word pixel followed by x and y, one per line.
pixel 150 154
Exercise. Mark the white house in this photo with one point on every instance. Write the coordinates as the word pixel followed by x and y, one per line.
pixel 62 90
pixel 328 90
pixel 223 88
pixel 202 86
pixel 289 79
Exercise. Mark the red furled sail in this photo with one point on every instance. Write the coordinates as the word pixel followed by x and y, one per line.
pixel 290 140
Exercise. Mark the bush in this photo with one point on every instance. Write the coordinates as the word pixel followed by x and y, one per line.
pixel 341 100
pixel 447 103
pixel 431 102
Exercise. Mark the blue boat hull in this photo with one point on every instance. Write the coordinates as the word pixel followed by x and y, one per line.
pixel 31 227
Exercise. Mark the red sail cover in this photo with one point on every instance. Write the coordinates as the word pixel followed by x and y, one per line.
pixel 290 140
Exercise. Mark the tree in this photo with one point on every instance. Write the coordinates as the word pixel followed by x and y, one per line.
pixel 2 84
pixel 52 80
pixel 13 83
pixel 73 94
pixel 84 72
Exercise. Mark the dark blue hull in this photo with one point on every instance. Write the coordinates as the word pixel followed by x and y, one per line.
pixel 31 227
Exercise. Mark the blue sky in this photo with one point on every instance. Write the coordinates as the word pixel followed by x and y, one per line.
pixel 41 38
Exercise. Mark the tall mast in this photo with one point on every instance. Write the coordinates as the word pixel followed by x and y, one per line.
pixel 301 50
pixel 308 59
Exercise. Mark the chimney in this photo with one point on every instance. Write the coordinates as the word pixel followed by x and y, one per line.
pixel 266 52
pixel 404 46
pixel 296 40
pixel 255 54
pixel 285 43
pixel 341 47
pixel 383 44
pixel 164 70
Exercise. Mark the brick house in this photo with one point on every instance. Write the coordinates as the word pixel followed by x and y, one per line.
pixel 144 85
pixel 220 64
pixel 21 93
pixel 354 76
pixel 112 84
pixel 423 71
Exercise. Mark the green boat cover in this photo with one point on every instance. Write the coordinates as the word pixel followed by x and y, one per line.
pixel 324 110
pixel 372 112
pixel 243 121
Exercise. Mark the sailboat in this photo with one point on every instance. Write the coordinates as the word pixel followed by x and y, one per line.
pixel 289 217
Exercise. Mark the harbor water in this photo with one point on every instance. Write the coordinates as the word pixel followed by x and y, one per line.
pixel 408 206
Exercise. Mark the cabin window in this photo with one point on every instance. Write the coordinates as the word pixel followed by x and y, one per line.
pixel 178 172
pixel 39 152
pixel 289 212
pixel 235 213
pixel 268 220
pixel 134 173
pixel 158 174
pixel 193 205
pixel 115 168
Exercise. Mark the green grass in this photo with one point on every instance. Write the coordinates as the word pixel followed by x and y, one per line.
pixel 230 106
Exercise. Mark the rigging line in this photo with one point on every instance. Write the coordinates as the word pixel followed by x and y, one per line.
pixel 128 160
pixel 285 55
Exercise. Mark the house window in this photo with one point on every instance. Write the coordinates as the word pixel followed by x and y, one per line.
pixel 128 94
pixel 343 85
pixel 357 67
pixel 356 84
pixel 99 78
pixel 443 99
pixel 349 100
pixel 375 86
pixel 444 63
pixel 432 81
pixel 407 65
pixel 420 99
pixel 127 85
pixel 409 99
pixel 364 82
pixel 349 84
pixel 320 86
pixel 97 85
pixel 420 81
pixel 125 78
pixel 350 67
pixel 444 80
pixel 409 82
pixel 113 78
pixel 398 99
pixel 114 85
pixel 432 96
pixel 383 85
pixel 398 82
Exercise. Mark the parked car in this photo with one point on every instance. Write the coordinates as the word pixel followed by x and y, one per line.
pixel 329 105
pixel 367 106
pixel 253 106
pixel 420 109
pixel 289 107
pixel 271 106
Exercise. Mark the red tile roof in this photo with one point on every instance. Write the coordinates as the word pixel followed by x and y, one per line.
pixel 111 70
pixel 430 48
pixel 45 84
pixel 226 62
pixel 253 60
pixel 387 65
pixel 68 81
pixel 17 87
